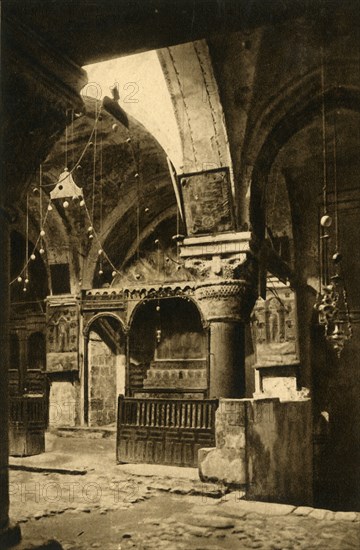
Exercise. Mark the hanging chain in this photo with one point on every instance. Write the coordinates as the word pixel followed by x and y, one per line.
pixel 336 193
pixel 324 236
pixel 332 300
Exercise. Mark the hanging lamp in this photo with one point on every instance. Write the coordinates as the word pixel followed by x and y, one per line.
pixel 332 304
pixel 66 188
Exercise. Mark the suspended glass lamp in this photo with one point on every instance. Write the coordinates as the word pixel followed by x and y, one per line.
pixel 332 304
pixel 334 315
pixel 66 188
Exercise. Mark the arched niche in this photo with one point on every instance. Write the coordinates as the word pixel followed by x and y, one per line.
pixel 104 369
pixel 298 116
pixel 293 152
pixel 168 350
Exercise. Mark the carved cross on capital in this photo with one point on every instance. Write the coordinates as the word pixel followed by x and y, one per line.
pixel 218 257
pixel 227 274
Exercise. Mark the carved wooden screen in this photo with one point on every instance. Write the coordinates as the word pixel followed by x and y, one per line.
pixel 164 431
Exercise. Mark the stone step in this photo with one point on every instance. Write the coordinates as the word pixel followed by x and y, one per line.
pixel 98 432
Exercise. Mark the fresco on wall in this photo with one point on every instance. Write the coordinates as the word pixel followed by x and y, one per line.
pixel 207 202
pixel 274 327
pixel 62 338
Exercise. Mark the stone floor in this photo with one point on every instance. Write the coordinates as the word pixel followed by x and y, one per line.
pixel 95 503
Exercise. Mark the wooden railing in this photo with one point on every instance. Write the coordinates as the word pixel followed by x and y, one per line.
pixel 165 413
pixel 164 431
pixel 27 423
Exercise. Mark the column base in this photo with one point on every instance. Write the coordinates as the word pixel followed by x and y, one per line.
pixel 10 536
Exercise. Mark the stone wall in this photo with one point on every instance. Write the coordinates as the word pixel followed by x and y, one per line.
pixel 63 399
pixel 227 462
pixel 102 383
pixel 279 451
pixel 263 446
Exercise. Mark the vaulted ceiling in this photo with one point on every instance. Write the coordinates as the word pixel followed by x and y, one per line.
pixel 122 27
pixel 239 100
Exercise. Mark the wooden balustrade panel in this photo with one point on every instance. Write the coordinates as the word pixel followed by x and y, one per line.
pixel 164 431
pixel 27 423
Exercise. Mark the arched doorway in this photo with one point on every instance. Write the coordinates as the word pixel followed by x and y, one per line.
pixel 104 369
pixel 168 350
pixel 166 416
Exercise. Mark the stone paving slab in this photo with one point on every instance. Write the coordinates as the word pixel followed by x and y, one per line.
pixel 303 510
pixel 231 505
pixel 86 432
pixel 263 508
pixel 206 520
pixel 321 514
pixel 27 466
pixel 165 472
pixel 54 459
pixel 172 522
pixel 133 483
pixel 347 516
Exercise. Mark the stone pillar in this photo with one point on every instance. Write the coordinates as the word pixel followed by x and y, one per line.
pixel 9 534
pixel 226 290
pixel 39 85
pixel 227 376
pixel 226 306
pixel 4 339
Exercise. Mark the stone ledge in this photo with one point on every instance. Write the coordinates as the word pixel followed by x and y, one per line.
pixel 92 432
pixel 347 516
pixel 321 514
pixel 240 507
pixel 303 510
pixel 47 470
pixel 257 507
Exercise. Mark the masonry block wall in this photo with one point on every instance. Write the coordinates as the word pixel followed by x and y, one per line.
pixel 102 378
pixel 264 446
pixel 63 400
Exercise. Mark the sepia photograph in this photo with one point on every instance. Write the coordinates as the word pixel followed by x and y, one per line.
pixel 179 275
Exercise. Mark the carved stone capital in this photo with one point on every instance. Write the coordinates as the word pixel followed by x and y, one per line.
pixel 216 256
pixel 229 300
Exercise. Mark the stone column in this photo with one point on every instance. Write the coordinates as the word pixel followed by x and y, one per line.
pixel 4 339
pixel 9 534
pixel 227 376
pixel 39 85
pixel 226 306
pixel 85 382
